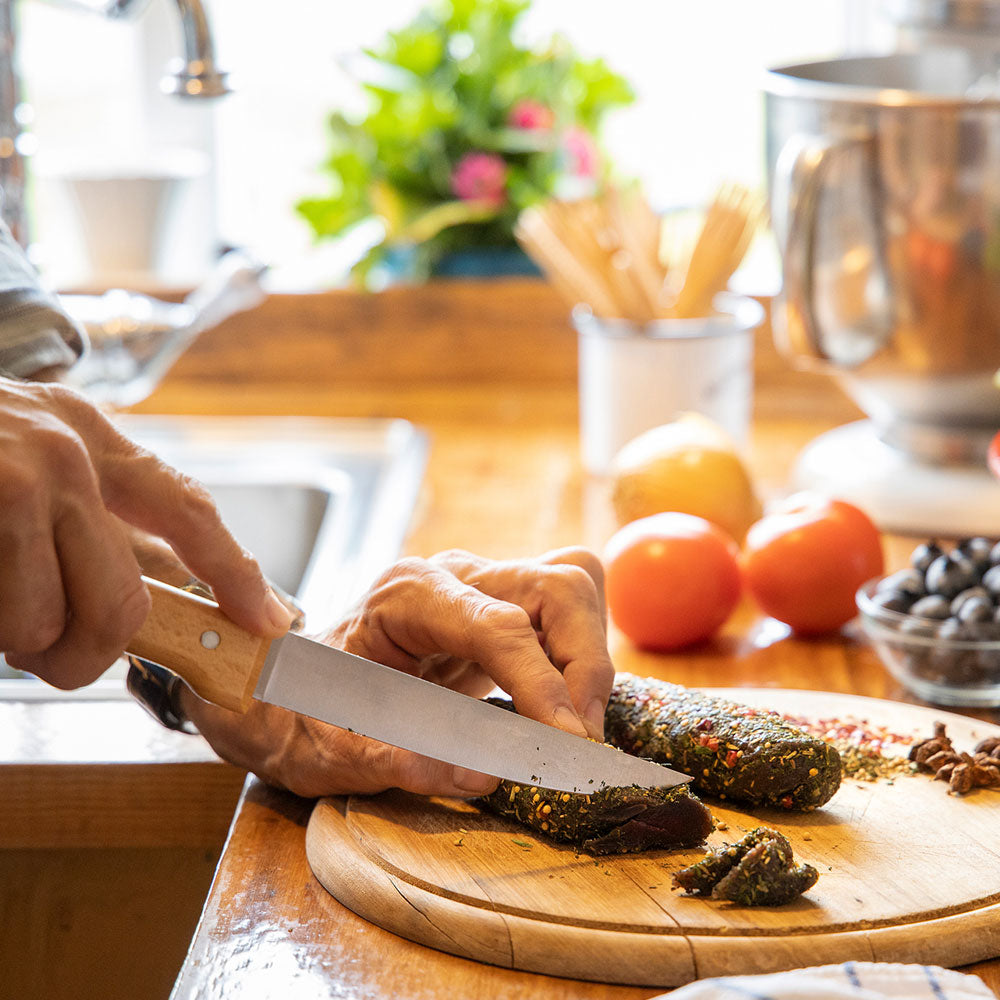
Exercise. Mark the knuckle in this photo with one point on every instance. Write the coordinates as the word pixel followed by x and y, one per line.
pixel 21 490
pixel 195 502
pixel 500 618
pixel 32 635
pixel 407 568
pixel 455 559
pixel 62 448
pixel 405 581
pixel 61 398
pixel 575 582
pixel 581 558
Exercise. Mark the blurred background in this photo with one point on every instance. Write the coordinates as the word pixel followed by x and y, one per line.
pixel 235 168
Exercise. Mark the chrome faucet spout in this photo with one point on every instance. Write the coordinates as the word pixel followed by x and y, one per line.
pixel 195 73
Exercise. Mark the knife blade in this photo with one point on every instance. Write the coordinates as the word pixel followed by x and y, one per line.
pixel 229 666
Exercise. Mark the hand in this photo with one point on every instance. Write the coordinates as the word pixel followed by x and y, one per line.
pixel 534 627
pixel 70 486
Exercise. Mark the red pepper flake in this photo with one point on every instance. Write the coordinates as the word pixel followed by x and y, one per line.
pixel 861 745
pixel 786 802
pixel 732 757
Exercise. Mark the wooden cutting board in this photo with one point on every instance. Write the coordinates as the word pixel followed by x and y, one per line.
pixel 907 873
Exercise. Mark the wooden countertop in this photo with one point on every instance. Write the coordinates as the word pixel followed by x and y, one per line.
pixel 489 371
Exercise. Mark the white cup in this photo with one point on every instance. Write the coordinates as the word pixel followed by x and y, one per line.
pixel 633 378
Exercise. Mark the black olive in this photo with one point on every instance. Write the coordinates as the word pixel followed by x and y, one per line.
pixel 949 575
pixel 991 580
pixel 932 606
pixel 970 593
pixel 978 608
pixel 951 629
pixel 982 630
pixel 977 550
pixel 905 581
pixel 893 600
pixel 923 555
pixel 911 625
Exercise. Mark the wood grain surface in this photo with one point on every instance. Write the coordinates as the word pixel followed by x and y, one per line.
pixel 908 873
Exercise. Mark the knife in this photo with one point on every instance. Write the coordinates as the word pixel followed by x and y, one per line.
pixel 225 664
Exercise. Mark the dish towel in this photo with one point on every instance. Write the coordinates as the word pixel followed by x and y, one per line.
pixel 850 981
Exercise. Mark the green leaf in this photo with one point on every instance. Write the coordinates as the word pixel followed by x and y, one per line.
pixel 417 48
pixel 450 213
pixel 440 87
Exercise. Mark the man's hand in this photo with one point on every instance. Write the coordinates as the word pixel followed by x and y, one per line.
pixel 536 628
pixel 70 486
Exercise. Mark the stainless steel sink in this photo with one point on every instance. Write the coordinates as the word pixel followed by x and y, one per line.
pixel 324 504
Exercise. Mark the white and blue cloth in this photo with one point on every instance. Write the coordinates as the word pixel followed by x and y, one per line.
pixel 850 981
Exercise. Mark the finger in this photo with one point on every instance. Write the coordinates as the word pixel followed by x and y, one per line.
pixel 445 614
pixel 33 609
pixel 563 593
pixel 570 613
pixel 587 561
pixel 180 510
pixel 146 492
pixel 106 602
pixel 156 558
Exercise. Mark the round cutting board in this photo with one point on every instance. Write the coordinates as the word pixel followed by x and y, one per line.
pixel 907 873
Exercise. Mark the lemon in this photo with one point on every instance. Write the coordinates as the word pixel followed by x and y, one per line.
pixel 690 465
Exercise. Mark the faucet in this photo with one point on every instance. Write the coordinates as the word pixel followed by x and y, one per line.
pixel 193 75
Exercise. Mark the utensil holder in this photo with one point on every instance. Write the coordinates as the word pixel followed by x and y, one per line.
pixel 632 378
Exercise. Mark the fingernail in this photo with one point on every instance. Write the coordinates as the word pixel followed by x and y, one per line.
pixel 472 782
pixel 593 719
pixel 281 617
pixel 566 718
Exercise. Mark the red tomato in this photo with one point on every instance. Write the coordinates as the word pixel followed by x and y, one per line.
pixel 804 561
pixel 671 580
pixel 993 455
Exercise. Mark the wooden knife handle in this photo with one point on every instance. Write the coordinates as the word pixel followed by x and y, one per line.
pixel 192 637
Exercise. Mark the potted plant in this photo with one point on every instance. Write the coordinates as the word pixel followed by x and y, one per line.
pixel 466 126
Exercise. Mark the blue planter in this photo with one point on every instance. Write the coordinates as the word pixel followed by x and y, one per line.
pixel 475 262
pixel 486 262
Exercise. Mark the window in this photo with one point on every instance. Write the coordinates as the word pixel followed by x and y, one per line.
pixel 93 85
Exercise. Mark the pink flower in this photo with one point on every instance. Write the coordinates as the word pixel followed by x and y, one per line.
pixel 531 116
pixel 480 177
pixel 582 156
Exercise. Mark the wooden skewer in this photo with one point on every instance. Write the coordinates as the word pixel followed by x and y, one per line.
pixel 609 252
pixel 634 236
pixel 730 224
pixel 572 278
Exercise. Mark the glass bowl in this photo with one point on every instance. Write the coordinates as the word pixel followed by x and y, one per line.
pixel 938 669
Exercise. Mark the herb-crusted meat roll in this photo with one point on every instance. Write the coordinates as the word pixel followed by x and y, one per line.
pixel 758 871
pixel 730 750
pixel 608 820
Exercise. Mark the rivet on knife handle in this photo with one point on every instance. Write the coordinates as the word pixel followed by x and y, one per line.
pixel 192 637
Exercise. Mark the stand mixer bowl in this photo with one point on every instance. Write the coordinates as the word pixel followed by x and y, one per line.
pixel 884 177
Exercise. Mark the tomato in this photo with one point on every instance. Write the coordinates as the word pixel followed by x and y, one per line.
pixel 993 455
pixel 804 561
pixel 671 580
